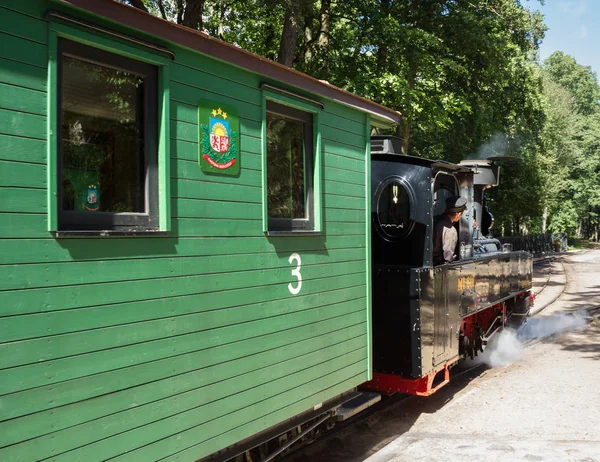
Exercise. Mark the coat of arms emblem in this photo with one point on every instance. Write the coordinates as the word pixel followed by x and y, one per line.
pixel 92 200
pixel 219 139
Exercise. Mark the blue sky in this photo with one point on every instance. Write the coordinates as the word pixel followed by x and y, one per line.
pixel 574 28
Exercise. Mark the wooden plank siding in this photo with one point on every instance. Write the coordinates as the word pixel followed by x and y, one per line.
pixel 178 346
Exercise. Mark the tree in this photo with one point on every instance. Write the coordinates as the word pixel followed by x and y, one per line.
pixel 188 13
pixel 580 80
pixel 569 158
pixel 458 70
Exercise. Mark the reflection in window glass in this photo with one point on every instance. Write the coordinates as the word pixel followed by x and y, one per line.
pixel 102 138
pixel 393 210
pixel 286 186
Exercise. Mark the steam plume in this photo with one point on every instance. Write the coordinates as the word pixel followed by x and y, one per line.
pixel 537 328
pixel 507 347
pixel 496 146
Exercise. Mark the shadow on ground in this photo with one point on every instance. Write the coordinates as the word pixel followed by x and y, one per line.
pixel 359 438
pixel 586 341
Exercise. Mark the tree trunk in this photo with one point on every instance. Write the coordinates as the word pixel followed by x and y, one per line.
pixel 289 36
pixel 325 25
pixel 405 125
pixel 307 40
pixel 179 4
pixel 161 7
pixel 382 47
pixel 192 15
pixel 403 131
pixel 544 219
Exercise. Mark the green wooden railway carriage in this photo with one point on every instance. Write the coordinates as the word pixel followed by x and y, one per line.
pixel 184 239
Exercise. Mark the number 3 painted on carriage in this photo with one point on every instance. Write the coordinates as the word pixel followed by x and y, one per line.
pixel 295 272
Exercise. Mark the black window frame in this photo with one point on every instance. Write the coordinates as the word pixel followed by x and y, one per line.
pixel 296 224
pixel 113 221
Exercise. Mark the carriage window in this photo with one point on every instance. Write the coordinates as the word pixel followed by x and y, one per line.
pixel 290 160
pixel 393 211
pixel 108 141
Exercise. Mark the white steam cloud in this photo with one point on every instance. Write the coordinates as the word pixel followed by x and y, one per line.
pixel 503 348
pixel 507 346
pixel 498 145
pixel 536 328
pixel 506 350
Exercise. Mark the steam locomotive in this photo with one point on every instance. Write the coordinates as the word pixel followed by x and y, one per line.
pixel 427 317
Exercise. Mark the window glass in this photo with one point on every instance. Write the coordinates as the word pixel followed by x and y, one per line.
pixel 289 167
pixel 102 138
pixel 393 210
pixel 108 140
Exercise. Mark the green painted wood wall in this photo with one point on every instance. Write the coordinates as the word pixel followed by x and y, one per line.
pixel 172 347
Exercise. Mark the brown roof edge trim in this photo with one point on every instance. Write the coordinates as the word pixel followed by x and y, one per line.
pixel 199 41
pixel 62 17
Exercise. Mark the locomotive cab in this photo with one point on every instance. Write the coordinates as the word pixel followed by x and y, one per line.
pixel 408 195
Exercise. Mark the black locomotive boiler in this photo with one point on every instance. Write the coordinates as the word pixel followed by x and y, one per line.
pixel 426 317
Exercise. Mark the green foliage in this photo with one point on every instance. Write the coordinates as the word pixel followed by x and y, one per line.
pixel 579 80
pixel 464 75
pixel 570 143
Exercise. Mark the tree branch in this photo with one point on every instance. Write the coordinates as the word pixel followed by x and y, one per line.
pixel 161 7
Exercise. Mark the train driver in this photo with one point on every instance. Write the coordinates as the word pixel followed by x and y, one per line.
pixel 445 235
